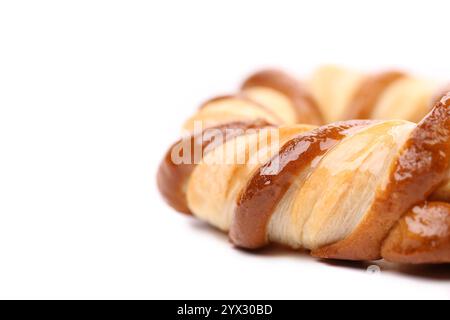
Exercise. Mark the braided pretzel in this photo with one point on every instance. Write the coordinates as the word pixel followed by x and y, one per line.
pixel 352 190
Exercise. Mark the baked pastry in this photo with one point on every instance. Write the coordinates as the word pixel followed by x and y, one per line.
pixel 352 189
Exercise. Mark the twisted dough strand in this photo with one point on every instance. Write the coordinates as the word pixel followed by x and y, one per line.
pixel 356 190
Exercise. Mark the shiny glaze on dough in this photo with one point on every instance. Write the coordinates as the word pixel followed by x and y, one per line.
pixel 420 168
pixel 421 236
pixel 266 188
pixel 172 178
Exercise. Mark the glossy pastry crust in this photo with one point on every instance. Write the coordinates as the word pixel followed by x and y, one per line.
pixel 263 192
pixel 351 190
pixel 421 236
pixel 172 177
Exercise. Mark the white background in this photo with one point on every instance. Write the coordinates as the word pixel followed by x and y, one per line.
pixel 93 92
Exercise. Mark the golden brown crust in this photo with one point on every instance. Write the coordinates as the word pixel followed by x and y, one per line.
pixel 305 105
pixel 421 236
pixel 419 170
pixel 368 94
pixel 266 188
pixel 172 178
